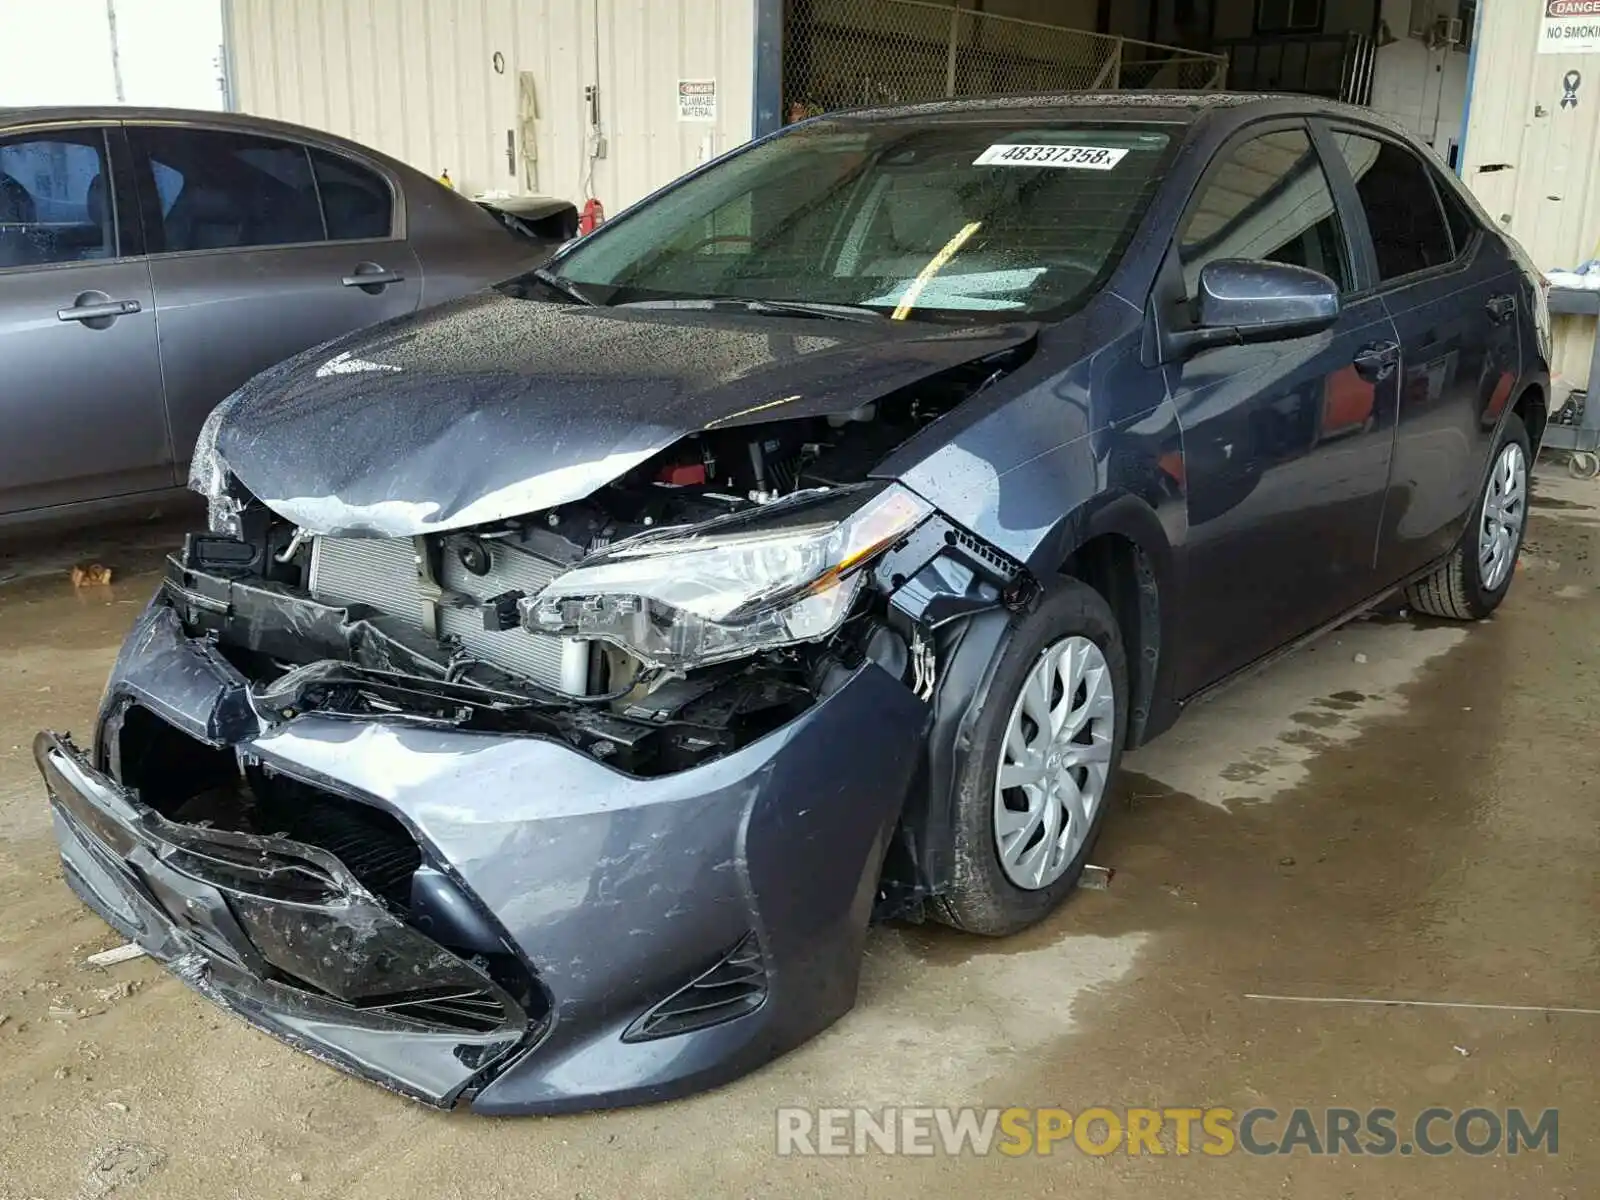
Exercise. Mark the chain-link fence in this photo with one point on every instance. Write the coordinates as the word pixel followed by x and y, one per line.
pixel 850 53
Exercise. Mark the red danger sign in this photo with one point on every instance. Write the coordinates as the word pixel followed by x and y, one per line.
pixel 1570 27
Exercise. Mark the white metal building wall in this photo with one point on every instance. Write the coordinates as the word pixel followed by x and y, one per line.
pixel 1534 163
pixel 441 83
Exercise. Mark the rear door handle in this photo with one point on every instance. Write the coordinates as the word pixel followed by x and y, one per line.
pixel 1501 307
pixel 104 311
pixel 372 278
pixel 1376 360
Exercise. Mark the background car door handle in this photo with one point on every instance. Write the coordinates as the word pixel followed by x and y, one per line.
pixel 1374 362
pixel 105 310
pixel 1501 308
pixel 372 278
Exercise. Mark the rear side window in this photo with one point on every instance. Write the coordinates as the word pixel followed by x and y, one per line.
pixel 357 202
pixel 1408 228
pixel 217 190
pixel 1462 223
pixel 55 199
pixel 1266 198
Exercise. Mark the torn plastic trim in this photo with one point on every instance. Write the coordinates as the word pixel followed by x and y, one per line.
pixel 281 933
pixel 952 595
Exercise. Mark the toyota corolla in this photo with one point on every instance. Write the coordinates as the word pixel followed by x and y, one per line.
pixel 570 673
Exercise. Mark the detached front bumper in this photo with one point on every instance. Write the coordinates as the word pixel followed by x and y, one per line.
pixel 280 933
pixel 672 932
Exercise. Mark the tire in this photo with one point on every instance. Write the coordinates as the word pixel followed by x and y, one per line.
pixel 1457 589
pixel 983 898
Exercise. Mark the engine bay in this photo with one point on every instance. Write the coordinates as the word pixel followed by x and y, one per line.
pixel 427 629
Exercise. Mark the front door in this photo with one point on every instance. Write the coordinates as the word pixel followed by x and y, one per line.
pixel 80 380
pixel 260 248
pixel 1286 444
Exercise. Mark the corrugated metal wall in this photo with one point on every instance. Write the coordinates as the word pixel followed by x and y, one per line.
pixel 1534 163
pixel 441 83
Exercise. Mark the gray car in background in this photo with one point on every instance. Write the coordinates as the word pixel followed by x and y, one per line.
pixel 153 260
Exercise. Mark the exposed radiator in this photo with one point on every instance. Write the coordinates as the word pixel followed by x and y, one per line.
pixel 382 574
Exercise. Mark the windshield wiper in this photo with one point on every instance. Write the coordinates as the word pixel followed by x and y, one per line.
pixel 770 308
pixel 827 312
pixel 551 280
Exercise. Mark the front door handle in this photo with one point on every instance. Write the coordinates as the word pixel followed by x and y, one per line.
pixel 1375 361
pixel 104 311
pixel 371 278
pixel 1500 308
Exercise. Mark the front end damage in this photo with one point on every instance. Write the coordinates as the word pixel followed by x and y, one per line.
pixel 572 808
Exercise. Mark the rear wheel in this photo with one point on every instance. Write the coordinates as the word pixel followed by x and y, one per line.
pixel 1470 584
pixel 1033 792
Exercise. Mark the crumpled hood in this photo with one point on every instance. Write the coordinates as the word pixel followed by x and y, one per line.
pixel 489 406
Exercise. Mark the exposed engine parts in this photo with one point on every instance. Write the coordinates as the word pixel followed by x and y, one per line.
pixel 436 629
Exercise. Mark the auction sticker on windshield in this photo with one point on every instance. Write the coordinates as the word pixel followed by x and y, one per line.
pixel 1085 158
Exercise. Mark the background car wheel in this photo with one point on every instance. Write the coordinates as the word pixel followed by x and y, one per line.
pixel 1034 790
pixel 1470 584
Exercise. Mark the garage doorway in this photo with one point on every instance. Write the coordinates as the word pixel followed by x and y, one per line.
pixel 1405 58
pixel 852 53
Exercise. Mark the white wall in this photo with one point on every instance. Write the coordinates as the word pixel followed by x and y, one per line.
pixel 419 79
pixel 1534 164
pixel 59 52
pixel 1425 90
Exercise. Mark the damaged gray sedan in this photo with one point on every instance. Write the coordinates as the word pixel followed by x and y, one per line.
pixel 571 672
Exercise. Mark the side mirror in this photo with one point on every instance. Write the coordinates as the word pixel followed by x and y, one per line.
pixel 1252 300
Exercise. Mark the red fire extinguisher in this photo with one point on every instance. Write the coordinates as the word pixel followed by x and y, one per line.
pixel 594 214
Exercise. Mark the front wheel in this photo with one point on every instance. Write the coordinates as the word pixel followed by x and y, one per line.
pixel 1033 792
pixel 1470 584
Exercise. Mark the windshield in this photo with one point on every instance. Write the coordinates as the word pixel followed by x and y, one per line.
pixel 913 218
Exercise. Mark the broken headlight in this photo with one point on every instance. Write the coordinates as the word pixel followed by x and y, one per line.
pixel 680 598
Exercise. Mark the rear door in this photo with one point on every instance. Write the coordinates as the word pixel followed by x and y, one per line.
pixel 259 248
pixel 80 381
pixel 1286 443
pixel 1454 302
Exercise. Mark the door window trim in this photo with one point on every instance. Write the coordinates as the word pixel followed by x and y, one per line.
pixel 1337 167
pixel 144 181
pixel 1354 264
pixel 120 229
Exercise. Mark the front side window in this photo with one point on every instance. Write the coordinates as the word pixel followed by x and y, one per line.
pixel 911 217
pixel 55 202
pixel 1267 198
pixel 1408 229
pixel 219 190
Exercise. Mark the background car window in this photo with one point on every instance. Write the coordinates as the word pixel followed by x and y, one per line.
pixel 55 204
pixel 218 190
pixel 1408 229
pixel 1267 198
pixel 356 201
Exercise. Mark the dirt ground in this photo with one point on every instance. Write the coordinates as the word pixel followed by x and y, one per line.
pixel 1406 811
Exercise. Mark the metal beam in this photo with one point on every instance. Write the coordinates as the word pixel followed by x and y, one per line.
pixel 767 116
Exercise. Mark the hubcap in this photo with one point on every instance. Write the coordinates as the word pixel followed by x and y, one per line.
pixel 1053 766
pixel 1505 508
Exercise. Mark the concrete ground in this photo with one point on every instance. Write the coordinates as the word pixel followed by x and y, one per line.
pixel 1407 811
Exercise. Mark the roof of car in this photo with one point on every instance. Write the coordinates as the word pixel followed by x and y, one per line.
pixel 128 112
pixel 1179 107
pixel 197 116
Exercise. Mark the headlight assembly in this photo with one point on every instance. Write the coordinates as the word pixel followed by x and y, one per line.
pixel 777 575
